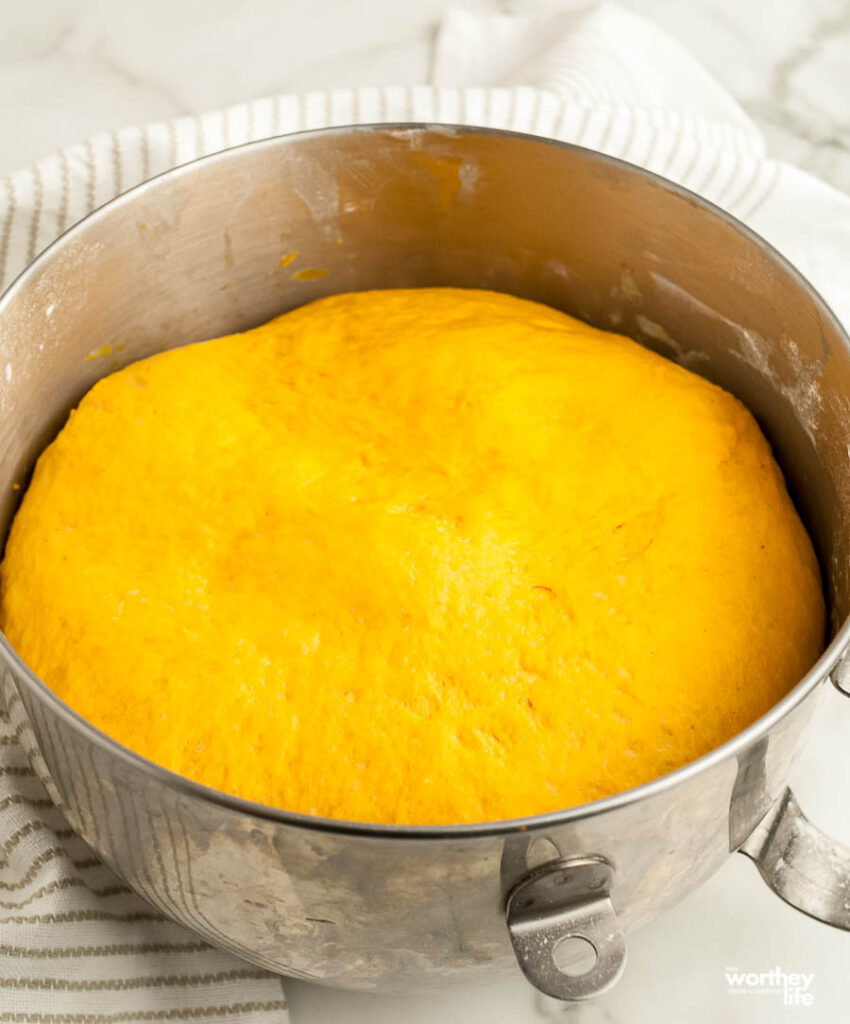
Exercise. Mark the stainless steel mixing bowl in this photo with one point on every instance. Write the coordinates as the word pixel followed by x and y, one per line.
pixel 198 252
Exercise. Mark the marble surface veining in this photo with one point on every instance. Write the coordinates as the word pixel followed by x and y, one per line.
pixel 70 68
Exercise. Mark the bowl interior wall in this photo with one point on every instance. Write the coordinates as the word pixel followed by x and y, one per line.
pixel 209 251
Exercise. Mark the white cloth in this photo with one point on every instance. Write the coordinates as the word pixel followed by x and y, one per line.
pixel 627 88
pixel 75 945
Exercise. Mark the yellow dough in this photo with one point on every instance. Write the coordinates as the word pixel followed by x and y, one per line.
pixel 413 556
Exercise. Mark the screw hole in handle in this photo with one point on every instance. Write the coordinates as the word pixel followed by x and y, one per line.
pixel 575 955
pixel 564 930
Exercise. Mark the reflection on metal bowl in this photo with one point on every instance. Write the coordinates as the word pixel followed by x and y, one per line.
pixel 198 252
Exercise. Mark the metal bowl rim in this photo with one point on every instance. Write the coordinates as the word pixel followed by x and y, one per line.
pixel 183 785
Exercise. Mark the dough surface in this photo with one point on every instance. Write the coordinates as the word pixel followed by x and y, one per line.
pixel 413 556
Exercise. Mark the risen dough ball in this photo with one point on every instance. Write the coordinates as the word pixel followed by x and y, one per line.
pixel 423 556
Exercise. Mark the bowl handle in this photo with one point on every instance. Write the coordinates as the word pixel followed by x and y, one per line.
pixel 802 864
pixel 559 911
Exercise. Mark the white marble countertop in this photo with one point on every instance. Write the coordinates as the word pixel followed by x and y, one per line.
pixel 71 68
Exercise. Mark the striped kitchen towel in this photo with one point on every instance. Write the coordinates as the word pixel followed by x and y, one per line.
pixel 76 946
pixel 604 78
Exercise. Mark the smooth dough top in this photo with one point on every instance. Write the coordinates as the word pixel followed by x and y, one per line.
pixel 413 556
